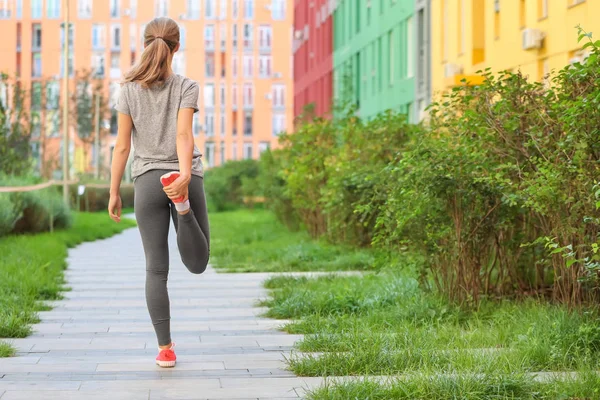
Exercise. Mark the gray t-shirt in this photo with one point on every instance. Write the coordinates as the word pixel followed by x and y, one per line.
pixel 154 113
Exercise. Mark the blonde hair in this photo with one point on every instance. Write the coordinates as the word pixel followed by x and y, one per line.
pixel 161 38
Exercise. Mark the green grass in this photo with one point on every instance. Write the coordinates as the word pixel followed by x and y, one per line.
pixel 384 324
pixel 31 269
pixel 254 241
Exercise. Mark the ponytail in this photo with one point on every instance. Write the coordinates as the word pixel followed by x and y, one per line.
pixel 161 38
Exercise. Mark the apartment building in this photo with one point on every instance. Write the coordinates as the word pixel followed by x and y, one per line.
pixel 379 51
pixel 239 51
pixel 533 36
pixel 313 55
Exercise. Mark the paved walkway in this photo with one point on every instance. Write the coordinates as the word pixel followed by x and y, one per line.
pixel 98 342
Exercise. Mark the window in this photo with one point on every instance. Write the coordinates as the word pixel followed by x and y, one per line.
pixel 222 152
pixel 62 66
pixel 234 96
pixel 278 95
pixel 248 9
pixel 71 37
pixel 234 66
pixel 234 36
pixel 193 9
pixel 84 9
pixel 264 37
pixel 179 63
pixel 222 95
pixel 36 95
pixel 36 9
pixel 36 38
pixel 98 65
pixel 248 95
pixel 392 56
pixel 409 48
pixel 53 8
pixel 247 150
pixel 248 36
pixel 36 67
pixel 235 8
pixel 115 37
pixel 52 95
pixel 115 6
pixel 522 14
pixel 542 9
pixel 234 151
pixel 209 95
pixel 209 62
pixel 264 66
pixel 182 37
pixel 262 147
pixel 278 10
pixel 223 9
pixel 222 124
pixel 115 61
pixel 278 124
pixel 132 36
pixel 132 9
pixel 210 9
pixel 248 63
pixel 19 9
pixel 209 154
pixel 161 8
pixel 98 36
pixel 209 37
pixel 248 124
pixel 209 123
pixel 196 126
pixel 223 36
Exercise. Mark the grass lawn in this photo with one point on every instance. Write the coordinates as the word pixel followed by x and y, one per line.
pixel 31 269
pixel 254 241
pixel 383 324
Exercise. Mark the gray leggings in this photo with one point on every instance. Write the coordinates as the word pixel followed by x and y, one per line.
pixel 153 212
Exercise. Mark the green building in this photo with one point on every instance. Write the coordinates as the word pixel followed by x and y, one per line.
pixel 378 47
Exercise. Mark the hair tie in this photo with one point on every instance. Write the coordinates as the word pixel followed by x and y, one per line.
pixel 159 37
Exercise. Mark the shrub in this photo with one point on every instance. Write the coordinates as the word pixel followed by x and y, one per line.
pixel 227 185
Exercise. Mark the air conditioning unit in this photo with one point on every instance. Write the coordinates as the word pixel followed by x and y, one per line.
pixel 268 96
pixel 579 57
pixel 532 38
pixel 127 12
pixel 368 3
pixel 298 34
pixel 451 70
pixel 277 75
pixel 497 6
pixel 182 16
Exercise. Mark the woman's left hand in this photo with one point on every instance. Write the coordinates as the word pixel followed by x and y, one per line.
pixel 179 188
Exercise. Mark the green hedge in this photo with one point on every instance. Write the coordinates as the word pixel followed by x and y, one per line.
pixel 31 212
pixel 227 185
pixel 498 192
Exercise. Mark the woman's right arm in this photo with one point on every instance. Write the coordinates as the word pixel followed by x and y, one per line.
pixel 119 162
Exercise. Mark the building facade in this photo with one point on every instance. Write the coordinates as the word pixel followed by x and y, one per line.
pixel 239 51
pixel 313 55
pixel 374 55
pixel 533 36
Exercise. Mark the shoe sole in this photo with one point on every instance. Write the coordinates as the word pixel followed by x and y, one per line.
pixel 167 176
pixel 165 364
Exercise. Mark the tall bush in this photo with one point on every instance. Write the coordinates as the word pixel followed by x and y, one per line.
pixel 227 185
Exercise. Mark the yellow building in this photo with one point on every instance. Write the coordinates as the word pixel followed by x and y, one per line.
pixel 533 36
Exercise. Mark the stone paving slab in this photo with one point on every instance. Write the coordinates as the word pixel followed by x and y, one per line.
pixel 99 339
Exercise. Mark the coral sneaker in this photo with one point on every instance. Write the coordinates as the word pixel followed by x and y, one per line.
pixel 166 180
pixel 166 357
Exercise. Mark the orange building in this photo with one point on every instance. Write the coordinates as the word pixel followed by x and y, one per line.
pixel 239 51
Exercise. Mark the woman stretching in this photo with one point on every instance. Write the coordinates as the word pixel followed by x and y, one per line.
pixel 156 108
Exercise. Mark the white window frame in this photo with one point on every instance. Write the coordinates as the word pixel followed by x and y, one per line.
pixel 209 154
pixel 248 65
pixel 209 37
pixel 222 95
pixel 234 96
pixel 223 35
pixel 84 9
pixel 37 9
pixel 234 151
pixel 265 66
pixel 278 95
pixel 115 8
pixel 222 123
pixel 278 9
pixel 53 9
pixel 265 37
pixel 193 9
pixel 235 9
pixel 209 123
pixel 223 9
pixel 113 36
pixel 248 95
pixel 278 123
pixel 248 147
pixel 234 65
pixel 210 9
pixel 209 95
pixel 248 34
pixel 248 9
pixel 161 8
pixel 234 36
